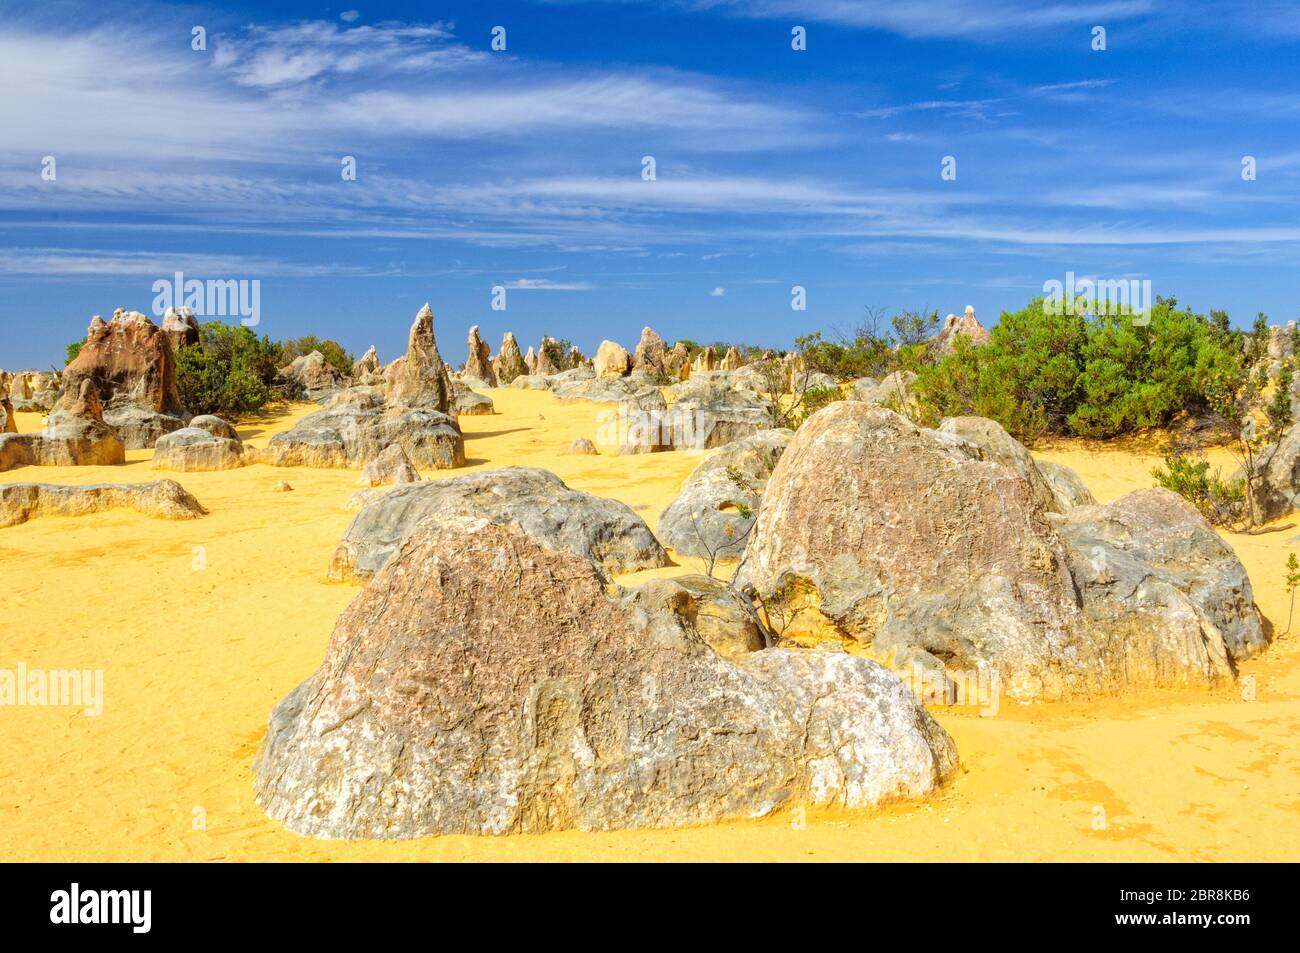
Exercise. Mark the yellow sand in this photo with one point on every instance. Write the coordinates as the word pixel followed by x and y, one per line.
pixel 195 659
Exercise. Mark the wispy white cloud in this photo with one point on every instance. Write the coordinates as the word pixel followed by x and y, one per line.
pixel 546 284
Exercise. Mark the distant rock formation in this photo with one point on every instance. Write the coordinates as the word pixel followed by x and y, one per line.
pixel 649 356
pixel 420 380
pixel 311 376
pixel 731 361
pixel 366 370
pixel 967 326
pixel 75 435
pixel 509 363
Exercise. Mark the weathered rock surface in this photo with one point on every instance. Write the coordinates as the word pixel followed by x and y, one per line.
pixel 421 379
pixel 719 500
pixel 731 361
pixel 311 376
pixel 1277 491
pixel 180 327
pixel 650 354
pixel 987 440
pixel 470 403
pixel 509 363
pixel 876 530
pixel 8 422
pixel 194 449
pixel 605 531
pixel 486 684
pixel 75 435
pixel 894 391
pixel 478 366
pixel 1067 486
pixel 715 416
pixel 215 426
pixel 164 499
pixel 366 370
pixel 357 426
pixel 390 467
pixel 581 446
pixel 612 360
pixel 131 365
pixel 678 362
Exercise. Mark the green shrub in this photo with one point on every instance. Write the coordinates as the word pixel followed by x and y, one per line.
pixel 1219 501
pixel 230 372
pixel 332 351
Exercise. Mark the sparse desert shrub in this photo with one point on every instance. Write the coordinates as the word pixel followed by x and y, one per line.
pixel 333 352
pixel 1222 502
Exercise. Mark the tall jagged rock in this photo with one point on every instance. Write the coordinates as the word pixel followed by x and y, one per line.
pixel 612 360
pixel 421 379
pixel 551 358
pixel 649 354
pixel 478 366
pixel 967 326
pixel 181 327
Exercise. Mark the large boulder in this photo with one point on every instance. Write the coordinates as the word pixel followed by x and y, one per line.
pixel 420 380
pixel 390 467
pixel 131 365
pixel 612 360
pixel 602 530
pixel 194 449
pixel 872 529
pixel 718 503
pixel 469 403
pixel 162 499
pixel 485 683
pixel 713 416
pixel 478 366
pixel 1152 570
pixel 357 425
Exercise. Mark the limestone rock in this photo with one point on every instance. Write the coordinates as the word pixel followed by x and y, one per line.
pixel 215 426
pixel 194 449
pixel 8 422
pixel 1067 486
pixel 163 499
pixel 605 531
pixel 731 361
pixel 967 326
pixel 719 500
pixel 130 362
pixel 987 440
pixel 469 403
pixel 487 684
pixel 894 391
pixel 478 367
pixel 390 467
pixel 421 380
pixel 650 354
pixel 581 446
pixel 612 360
pixel 180 327
pixel 509 363
pixel 75 435
pixel 366 370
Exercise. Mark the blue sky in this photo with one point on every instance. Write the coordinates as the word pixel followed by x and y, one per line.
pixel 523 168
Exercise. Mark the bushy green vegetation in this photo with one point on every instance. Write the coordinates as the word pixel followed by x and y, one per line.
pixel 232 372
pixel 1091 376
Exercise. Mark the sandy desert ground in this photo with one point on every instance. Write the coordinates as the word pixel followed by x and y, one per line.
pixel 195 659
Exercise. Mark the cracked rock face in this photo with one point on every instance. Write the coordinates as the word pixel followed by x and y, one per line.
pixel 923 546
pixel 193 449
pixel 605 531
pixel 484 683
